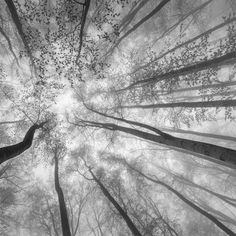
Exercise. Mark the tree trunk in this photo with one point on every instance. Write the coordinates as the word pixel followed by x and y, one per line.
pixel 216 103
pixel 83 20
pixel 143 20
pixel 208 135
pixel 188 202
pixel 12 151
pixel 181 179
pixel 216 153
pixel 191 13
pixel 228 21
pixel 131 14
pixel 127 219
pixel 18 24
pixel 199 66
pixel 62 205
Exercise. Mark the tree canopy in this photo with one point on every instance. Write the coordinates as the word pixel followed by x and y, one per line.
pixel 117 117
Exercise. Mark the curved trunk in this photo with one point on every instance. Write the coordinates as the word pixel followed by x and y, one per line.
pixel 12 151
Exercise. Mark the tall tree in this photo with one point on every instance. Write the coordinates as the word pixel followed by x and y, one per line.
pixel 106 193
pixel 218 154
pixel 62 204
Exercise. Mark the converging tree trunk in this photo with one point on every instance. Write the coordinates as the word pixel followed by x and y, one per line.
pixel 211 152
pixel 199 66
pixel 131 14
pixel 152 13
pixel 201 134
pixel 216 103
pixel 83 21
pixel 206 33
pixel 124 215
pixel 62 205
pixel 19 27
pixel 188 202
pixel 12 151
pixel 201 87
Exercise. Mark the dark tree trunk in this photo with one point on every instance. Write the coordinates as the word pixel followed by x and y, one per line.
pixel 127 219
pixel 210 152
pixel 12 151
pixel 62 205
pixel 216 103
pixel 18 24
pixel 83 21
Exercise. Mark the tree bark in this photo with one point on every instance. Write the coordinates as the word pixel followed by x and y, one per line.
pixel 127 219
pixel 9 152
pixel 62 205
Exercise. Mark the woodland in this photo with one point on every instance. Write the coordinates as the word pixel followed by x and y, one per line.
pixel 117 117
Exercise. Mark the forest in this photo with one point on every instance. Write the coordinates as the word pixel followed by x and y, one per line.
pixel 117 117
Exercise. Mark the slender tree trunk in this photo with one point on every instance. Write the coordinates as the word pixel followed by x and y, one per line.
pixel 143 20
pixel 83 21
pixel 62 205
pixel 127 219
pixel 10 122
pixel 201 87
pixel 188 202
pixel 199 66
pixel 52 217
pixel 228 21
pixel 192 12
pixel 228 200
pixel 216 103
pixel 9 44
pixel 9 152
pixel 216 153
pixel 132 13
pixel 18 24
pixel 204 97
pixel 208 135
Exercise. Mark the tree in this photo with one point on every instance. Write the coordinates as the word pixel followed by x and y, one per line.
pixel 106 193
pixel 180 196
pixel 216 153
pixel 8 152
pixel 174 67
pixel 63 210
